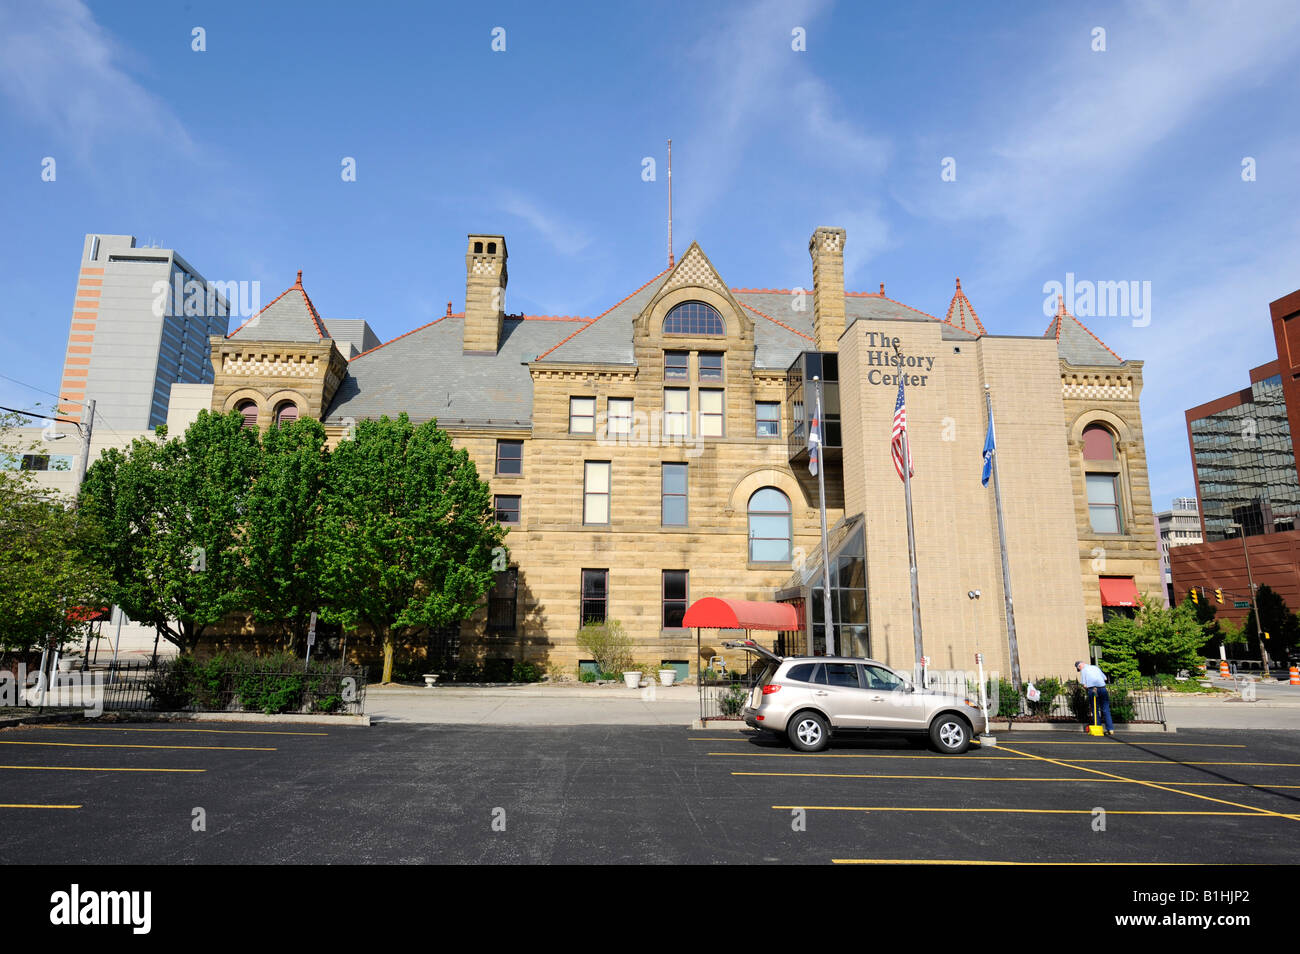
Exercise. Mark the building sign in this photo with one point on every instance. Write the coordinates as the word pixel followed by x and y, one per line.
pixel 883 360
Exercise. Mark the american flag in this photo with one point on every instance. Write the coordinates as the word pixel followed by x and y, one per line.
pixel 896 440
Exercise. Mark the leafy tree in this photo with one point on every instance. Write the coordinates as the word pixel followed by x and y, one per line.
pixel 1156 640
pixel 407 532
pixel 172 514
pixel 279 544
pixel 1279 622
pixel 46 577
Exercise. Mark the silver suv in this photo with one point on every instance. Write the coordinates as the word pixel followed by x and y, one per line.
pixel 807 698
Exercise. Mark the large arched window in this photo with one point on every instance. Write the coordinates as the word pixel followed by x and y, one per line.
pixel 1098 443
pixel 695 318
pixel 249 411
pixel 770 526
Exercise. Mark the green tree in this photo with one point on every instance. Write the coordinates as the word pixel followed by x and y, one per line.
pixel 46 575
pixel 172 513
pixel 407 533
pixel 1156 640
pixel 1279 622
pixel 278 547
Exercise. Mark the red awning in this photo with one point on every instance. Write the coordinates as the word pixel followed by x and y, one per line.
pixel 714 613
pixel 88 614
pixel 1119 591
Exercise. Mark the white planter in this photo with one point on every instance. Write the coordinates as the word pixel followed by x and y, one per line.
pixel 430 678
pixel 66 664
pixel 633 680
pixel 667 677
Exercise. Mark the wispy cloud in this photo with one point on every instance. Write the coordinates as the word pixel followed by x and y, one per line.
pixel 65 72
pixel 566 238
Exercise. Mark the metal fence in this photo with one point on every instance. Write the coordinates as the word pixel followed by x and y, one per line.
pixel 1134 700
pixel 185 686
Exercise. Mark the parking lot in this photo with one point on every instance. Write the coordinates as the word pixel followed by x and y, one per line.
pixel 221 793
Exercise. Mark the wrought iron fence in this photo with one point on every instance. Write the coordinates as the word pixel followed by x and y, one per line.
pixel 174 686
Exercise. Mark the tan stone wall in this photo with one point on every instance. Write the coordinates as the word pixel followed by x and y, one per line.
pixel 1110 396
pixel 955 516
pixel 271 372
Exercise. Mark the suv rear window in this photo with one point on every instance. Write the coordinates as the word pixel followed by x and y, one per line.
pixel 763 675
pixel 802 672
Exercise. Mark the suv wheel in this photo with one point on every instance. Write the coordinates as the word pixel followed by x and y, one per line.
pixel 809 732
pixel 950 734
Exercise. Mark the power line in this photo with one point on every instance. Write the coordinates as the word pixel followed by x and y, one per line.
pixel 32 387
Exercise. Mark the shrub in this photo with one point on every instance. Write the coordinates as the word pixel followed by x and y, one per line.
pixel 526 672
pixel 1049 689
pixel 731 701
pixel 607 643
pixel 587 677
pixel 1008 699
pixel 1122 708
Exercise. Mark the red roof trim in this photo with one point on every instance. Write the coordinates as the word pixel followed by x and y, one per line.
pixel 602 315
pixel 311 309
pixel 400 337
pixel 1062 313
pixel 775 321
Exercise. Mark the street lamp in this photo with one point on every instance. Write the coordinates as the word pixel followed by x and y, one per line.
pixel 51 433
pixel 1259 624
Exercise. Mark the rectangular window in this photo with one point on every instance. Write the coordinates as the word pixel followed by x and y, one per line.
pixel 620 417
pixel 595 492
pixel 675 597
pixel 582 415
pixel 768 415
pixel 677 412
pixel 1103 503
pixel 595 596
pixel 36 462
pixel 677 364
pixel 507 508
pixel 711 412
pixel 510 457
pixel 503 601
pixel 710 365
pixel 674 495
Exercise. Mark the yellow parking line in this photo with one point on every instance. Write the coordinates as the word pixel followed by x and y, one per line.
pixel 1000 778
pixel 1166 788
pixel 1094 741
pixel 1057 864
pixel 80 768
pixel 114 728
pixel 126 745
pixel 1017 811
pixel 1016 757
pixel 40 806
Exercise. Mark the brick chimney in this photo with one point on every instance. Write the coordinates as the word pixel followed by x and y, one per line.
pixel 485 293
pixel 827 250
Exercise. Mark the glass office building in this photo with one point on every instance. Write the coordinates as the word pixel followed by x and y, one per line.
pixel 1245 464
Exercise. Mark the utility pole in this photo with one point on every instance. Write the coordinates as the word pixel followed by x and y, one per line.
pixel 1254 604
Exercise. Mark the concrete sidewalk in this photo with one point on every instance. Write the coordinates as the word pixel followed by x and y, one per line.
pixel 536 704
pixel 575 704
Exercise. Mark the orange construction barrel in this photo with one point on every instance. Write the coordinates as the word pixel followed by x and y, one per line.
pixel 1223 669
pixel 1295 675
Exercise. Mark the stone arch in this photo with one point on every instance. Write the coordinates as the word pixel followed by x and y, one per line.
pixel 778 477
pixel 651 322
pixel 297 398
pixel 1118 426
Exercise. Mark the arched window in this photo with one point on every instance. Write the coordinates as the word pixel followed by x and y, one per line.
pixel 1098 444
pixel 770 526
pixel 249 410
pixel 695 318
pixel 286 413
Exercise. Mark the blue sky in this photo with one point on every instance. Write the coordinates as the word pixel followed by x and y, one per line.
pixel 1115 165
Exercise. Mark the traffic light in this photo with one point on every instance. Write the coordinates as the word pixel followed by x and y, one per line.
pixel 1218 595
pixel 1195 599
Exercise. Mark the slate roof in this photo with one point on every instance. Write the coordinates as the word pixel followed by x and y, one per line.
pixel 1075 343
pixel 607 338
pixel 425 373
pixel 962 313
pixel 290 317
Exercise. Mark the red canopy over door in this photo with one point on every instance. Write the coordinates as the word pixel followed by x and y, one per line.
pixel 715 613
pixel 1119 591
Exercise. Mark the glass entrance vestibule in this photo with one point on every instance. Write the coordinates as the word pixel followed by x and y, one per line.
pixel 846 543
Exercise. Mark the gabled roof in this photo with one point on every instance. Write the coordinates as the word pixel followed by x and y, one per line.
pixel 607 338
pixel 1075 343
pixel 961 311
pixel 290 317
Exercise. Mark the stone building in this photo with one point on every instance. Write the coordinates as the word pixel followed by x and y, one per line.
pixel 657 453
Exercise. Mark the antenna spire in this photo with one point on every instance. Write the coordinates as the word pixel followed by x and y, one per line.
pixel 670 203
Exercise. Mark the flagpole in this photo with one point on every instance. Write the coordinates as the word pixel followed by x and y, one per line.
pixel 918 649
pixel 1002 540
pixel 821 496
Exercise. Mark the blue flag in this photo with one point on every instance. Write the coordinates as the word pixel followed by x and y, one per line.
pixel 988 454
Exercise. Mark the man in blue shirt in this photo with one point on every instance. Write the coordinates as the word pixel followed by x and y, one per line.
pixel 1094 680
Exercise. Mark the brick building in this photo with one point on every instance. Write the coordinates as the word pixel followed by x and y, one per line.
pixel 657 453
